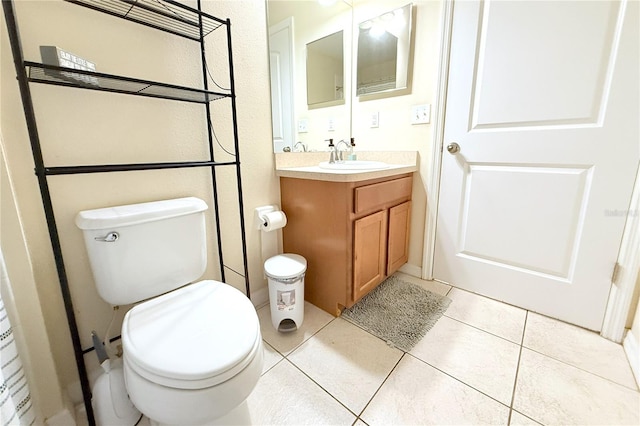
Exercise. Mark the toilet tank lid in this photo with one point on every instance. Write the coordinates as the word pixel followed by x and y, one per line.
pixel 132 214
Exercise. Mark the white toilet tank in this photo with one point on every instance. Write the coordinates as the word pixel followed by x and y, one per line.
pixel 139 251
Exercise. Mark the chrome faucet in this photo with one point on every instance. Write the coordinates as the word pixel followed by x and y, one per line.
pixel 333 156
pixel 339 157
pixel 304 147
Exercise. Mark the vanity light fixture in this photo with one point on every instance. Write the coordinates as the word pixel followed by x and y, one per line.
pixel 392 22
pixel 366 25
pixel 377 29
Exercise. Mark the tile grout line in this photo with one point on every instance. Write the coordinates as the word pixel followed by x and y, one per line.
pixel 448 291
pixel 580 368
pixel 271 368
pixel 371 334
pixel 515 380
pixel 382 384
pixel 292 350
pixel 442 371
pixel 486 331
pixel 438 369
pixel 637 389
pixel 457 380
pixel 321 387
pixel 286 357
pixel 490 299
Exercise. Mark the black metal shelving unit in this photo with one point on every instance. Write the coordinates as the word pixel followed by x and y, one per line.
pixel 59 76
pixel 164 15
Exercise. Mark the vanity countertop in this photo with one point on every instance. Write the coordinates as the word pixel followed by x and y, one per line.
pixel 304 165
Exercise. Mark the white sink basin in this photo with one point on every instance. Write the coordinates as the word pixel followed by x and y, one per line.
pixel 354 165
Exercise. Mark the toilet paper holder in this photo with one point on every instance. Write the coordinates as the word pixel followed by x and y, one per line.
pixel 259 213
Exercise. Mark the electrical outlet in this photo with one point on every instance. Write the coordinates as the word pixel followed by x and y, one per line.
pixel 303 125
pixel 331 124
pixel 421 114
pixel 374 119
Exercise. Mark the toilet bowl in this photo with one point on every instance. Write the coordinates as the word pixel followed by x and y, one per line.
pixel 192 350
pixel 198 349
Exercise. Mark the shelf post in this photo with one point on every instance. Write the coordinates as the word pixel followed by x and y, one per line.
pixel 236 145
pixel 214 181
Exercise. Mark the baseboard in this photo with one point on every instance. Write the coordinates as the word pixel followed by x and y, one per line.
pixel 632 349
pixel 62 418
pixel 413 270
pixel 260 297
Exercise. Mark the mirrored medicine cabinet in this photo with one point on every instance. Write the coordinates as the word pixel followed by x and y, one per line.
pixel 384 48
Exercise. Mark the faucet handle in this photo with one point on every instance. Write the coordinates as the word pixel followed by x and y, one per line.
pixel 330 142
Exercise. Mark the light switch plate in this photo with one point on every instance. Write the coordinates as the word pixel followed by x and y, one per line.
pixel 374 119
pixel 303 125
pixel 421 114
pixel 331 124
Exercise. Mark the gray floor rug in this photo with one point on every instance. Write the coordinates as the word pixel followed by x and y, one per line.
pixel 398 312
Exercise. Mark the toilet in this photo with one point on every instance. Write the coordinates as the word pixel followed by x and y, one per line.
pixel 192 351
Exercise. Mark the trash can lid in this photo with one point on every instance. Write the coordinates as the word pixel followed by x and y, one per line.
pixel 285 266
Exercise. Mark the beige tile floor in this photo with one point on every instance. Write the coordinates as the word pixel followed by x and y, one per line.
pixel 484 362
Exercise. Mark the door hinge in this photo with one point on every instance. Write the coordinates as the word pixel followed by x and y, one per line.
pixel 616 273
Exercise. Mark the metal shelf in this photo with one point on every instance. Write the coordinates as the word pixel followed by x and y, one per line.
pixel 61 76
pixel 105 168
pixel 164 15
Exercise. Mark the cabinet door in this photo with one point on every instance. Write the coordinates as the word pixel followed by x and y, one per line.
pixel 369 252
pixel 398 252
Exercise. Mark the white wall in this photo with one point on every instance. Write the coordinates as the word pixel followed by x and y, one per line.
pixel 20 297
pixel 85 127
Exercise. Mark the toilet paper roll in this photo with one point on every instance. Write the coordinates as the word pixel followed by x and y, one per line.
pixel 273 220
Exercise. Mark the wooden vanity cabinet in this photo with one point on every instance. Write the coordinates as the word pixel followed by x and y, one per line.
pixel 353 234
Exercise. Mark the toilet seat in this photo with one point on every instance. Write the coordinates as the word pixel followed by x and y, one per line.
pixel 192 338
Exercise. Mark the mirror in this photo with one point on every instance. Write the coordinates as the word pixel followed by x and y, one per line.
pixel 325 70
pixel 306 39
pixel 384 47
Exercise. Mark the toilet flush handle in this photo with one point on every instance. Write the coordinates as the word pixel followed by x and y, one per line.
pixel 109 238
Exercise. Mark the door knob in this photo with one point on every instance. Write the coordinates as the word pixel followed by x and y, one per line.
pixel 453 148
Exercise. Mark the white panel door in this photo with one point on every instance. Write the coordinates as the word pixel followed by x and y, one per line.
pixel 281 63
pixel 542 101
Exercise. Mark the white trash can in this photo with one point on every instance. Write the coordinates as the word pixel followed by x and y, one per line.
pixel 285 273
